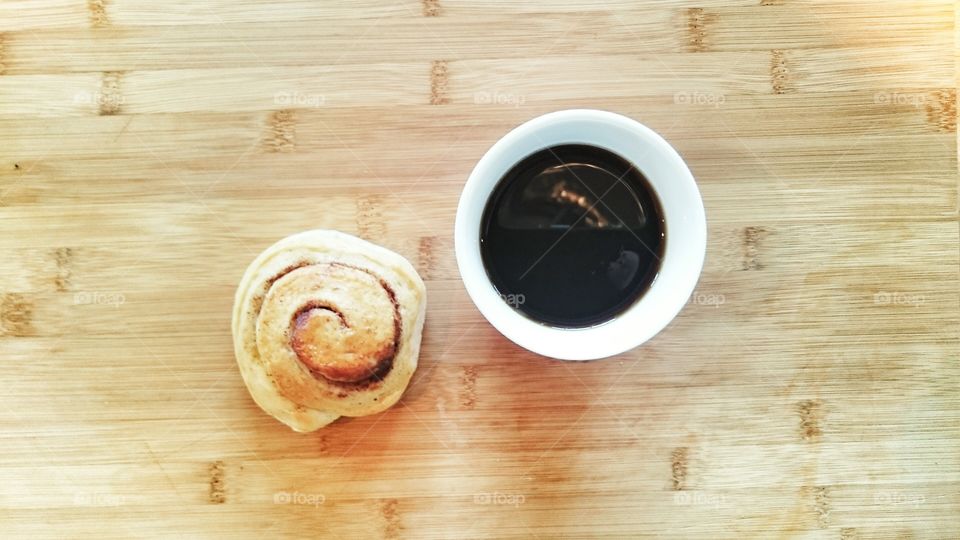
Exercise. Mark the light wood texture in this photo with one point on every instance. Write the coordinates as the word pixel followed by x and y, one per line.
pixel 149 150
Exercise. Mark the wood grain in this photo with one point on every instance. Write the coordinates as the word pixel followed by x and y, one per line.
pixel 148 151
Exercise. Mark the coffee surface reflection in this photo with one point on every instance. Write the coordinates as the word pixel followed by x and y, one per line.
pixel 576 231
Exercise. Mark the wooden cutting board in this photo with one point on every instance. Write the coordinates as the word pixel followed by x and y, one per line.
pixel 149 150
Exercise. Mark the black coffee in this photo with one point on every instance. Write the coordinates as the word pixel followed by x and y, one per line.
pixel 572 236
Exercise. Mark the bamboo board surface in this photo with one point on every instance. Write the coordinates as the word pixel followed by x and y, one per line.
pixel 148 151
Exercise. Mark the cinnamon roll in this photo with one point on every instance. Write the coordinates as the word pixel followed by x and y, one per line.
pixel 327 325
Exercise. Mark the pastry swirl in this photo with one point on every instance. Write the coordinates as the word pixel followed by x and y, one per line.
pixel 326 325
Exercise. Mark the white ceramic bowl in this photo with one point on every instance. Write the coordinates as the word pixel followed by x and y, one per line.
pixel 686 233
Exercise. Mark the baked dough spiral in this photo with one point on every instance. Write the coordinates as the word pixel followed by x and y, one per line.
pixel 327 325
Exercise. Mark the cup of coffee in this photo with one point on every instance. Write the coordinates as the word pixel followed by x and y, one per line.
pixel 580 234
